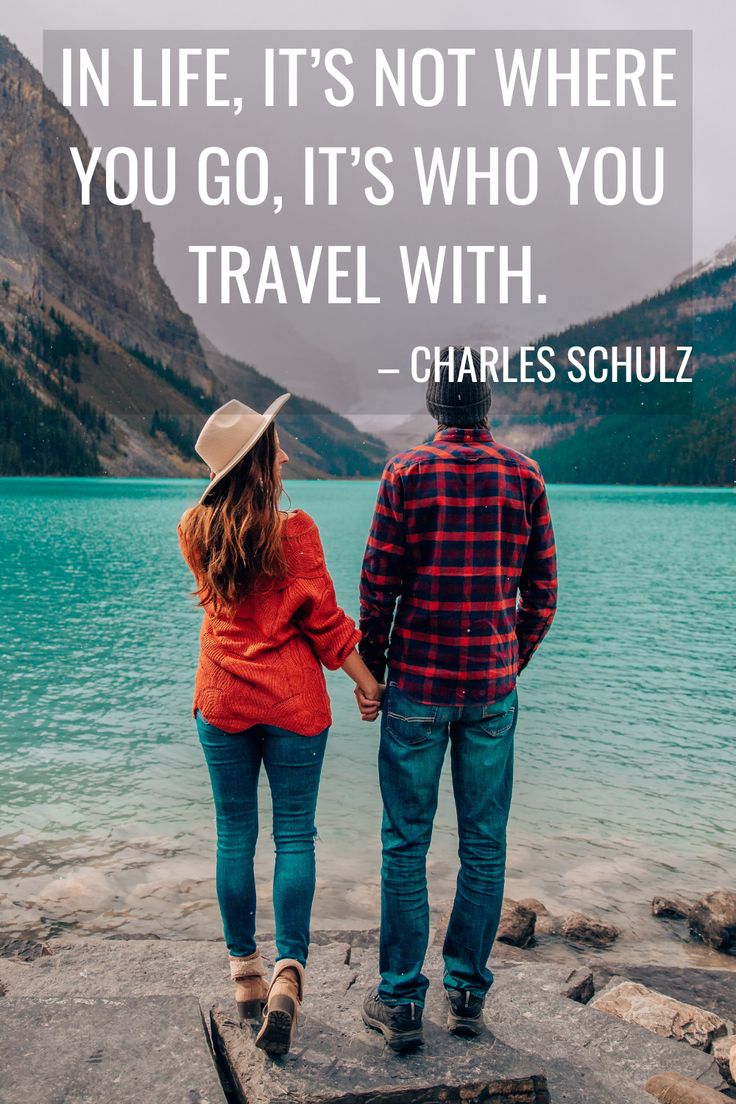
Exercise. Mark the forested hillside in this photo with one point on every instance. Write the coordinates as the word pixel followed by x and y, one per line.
pixel 102 372
pixel 697 446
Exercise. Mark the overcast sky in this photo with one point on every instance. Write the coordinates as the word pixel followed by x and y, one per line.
pixel 713 23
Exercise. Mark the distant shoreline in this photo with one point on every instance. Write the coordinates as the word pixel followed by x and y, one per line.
pixel 352 479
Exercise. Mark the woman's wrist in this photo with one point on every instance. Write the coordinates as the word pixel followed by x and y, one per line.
pixel 371 688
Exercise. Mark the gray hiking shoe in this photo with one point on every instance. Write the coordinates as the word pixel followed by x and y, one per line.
pixel 400 1024
pixel 465 1015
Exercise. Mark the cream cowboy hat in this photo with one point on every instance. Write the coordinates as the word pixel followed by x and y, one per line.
pixel 230 433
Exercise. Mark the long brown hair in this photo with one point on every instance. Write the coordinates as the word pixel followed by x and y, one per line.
pixel 234 536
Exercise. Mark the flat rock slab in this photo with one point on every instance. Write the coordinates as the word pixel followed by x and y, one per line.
pixel 123 968
pixel 357 1068
pixel 526 1005
pixel 588 1057
pixel 539 1043
pixel 336 1059
pixel 86 1050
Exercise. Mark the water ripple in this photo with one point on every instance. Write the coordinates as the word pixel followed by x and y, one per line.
pixel 624 772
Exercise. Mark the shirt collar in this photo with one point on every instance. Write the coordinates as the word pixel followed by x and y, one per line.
pixel 466 434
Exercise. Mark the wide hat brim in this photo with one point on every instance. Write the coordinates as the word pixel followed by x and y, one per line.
pixel 268 417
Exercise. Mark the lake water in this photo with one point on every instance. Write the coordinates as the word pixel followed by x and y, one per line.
pixel 625 772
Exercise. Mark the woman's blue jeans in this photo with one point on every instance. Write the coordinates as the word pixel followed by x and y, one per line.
pixel 414 739
pixel 293 764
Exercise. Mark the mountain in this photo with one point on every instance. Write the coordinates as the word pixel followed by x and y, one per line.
pixel 695 445
pixel 726 255
pixel 601 437
pixel 101 371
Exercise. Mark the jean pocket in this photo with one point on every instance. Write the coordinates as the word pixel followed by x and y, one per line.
pixel 408 721
pixel 498 717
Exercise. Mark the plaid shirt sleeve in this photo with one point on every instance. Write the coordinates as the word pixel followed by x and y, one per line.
pixel 382 575
pixel 538 583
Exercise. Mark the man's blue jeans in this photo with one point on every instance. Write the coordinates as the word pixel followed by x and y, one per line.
pixel 414 739
pixel 293 764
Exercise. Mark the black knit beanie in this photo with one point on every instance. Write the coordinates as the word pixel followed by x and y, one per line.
pixel 465 402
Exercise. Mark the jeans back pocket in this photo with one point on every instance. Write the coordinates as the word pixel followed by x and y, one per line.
pixel 408 721
pixel 498 717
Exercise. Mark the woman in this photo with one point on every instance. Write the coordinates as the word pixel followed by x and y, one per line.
pixel 270 623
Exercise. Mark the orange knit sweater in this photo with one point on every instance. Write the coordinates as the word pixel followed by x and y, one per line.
pixel 262 663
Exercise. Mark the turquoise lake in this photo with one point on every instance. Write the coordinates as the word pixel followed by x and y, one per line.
pixel 625 764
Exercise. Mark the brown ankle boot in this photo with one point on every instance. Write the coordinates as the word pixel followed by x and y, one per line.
pixel 282 1009
pixel 251 990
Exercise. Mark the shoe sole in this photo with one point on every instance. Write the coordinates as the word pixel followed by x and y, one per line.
pixel 278 1026
pixel 463 1025
pixel 397 1040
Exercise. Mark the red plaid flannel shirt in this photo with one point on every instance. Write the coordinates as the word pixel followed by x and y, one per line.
pixel 462 537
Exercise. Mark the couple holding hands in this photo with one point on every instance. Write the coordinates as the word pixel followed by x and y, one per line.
pixel 457 589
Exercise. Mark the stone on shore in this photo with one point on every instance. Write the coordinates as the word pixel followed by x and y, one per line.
pixel 724 1052
pixel 579 928
pixel 517 922
pixel 671 908
pixel 712 989
pixel 117 1050
pixel 546 923
pixel 713 919
pixel 579 985
pixel 672 1019
pixel 674 1088
pixel 25 949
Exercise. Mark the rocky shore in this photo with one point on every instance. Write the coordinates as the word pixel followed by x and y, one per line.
pixel 124 1020
pixel 710 919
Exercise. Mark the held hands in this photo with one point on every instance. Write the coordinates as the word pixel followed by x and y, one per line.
pixel 368 690
pixel 369 701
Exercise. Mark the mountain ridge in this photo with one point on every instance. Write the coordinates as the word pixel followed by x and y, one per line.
pixel 103 373
pixel 95 350
pixel 695 445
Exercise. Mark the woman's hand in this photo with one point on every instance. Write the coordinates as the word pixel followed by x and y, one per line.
pixel 368 691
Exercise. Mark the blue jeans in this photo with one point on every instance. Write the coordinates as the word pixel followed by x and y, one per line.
pixel 293 764
pixel 414 739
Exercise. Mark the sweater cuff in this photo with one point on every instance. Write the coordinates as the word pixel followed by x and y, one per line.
pixel 338 653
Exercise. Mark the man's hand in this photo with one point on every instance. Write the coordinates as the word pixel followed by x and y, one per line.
pixel 369 706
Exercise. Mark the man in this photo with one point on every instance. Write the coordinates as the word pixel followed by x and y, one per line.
pixel 462 537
